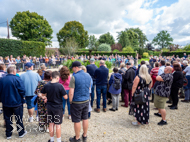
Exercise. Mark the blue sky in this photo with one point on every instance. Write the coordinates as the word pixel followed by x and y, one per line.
pixel 99 17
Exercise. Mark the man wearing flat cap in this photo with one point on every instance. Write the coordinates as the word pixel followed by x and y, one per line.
pixel 79 99
pixel 30 80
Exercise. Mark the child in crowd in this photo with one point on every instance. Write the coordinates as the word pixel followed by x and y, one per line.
pixel 54 92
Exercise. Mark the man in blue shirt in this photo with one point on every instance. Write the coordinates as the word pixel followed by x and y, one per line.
pixel 12 93
pixel 30 80
pixel 91 70
pixel 101 75
pixel 162 67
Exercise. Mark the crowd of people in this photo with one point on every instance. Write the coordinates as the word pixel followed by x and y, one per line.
pixel 55 61
pixel 164 79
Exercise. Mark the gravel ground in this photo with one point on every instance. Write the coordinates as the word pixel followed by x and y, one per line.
pixel 116 127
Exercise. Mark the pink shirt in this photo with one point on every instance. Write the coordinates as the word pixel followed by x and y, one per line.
pixel 65 83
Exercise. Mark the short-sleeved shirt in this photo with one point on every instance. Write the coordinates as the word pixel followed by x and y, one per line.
pixel 163 89
pixel 55 92
pixel 161 70
pixel 187 70
pixel 72 82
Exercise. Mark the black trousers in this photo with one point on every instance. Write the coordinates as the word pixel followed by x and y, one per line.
pixel 174 96
pixel 9 113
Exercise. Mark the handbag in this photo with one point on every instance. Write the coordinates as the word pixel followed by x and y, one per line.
pixel 139 98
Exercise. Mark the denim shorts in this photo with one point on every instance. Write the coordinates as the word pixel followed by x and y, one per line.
pixel 29 102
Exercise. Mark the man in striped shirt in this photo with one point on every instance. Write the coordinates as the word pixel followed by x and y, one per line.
pixel 154 74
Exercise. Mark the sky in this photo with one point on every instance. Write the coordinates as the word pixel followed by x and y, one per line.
pixel 102 16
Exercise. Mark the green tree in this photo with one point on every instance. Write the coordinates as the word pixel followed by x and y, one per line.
pixel 92 42
pixel 73 29
pixel 106 38
pixel 133 38
pixel 141 36
pixel 104 47
pixel 163 39
pixel 31 27
pixel 70 47
pixel 123 39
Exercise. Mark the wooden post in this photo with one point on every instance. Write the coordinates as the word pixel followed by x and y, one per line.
pixel 8 29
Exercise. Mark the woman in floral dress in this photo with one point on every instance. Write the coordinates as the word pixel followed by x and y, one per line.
pixel 42 109
pixel 142 82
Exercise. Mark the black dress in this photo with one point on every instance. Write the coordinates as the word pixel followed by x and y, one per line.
pixel 141 112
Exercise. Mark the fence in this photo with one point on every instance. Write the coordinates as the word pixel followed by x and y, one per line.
pixel 21 66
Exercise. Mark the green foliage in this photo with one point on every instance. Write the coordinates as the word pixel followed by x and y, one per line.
pixel 179 53
pixel 108 64
pixel 141 36
pixel 150 52
pixel 115 51
pixel 123 39
pixel 128 49
pixel 165 50
pixel 156 53
pixel 73 29
pixel 133 38
pixel 92 42
pixel 68 63
pixel 104 47
pixel 70 48
pixel 83 49
pixel 106 38
pixel 20 48
pixel 31 27
pixel 105 53
pixel 145 55
pixel 187 47
pixel 163 39
pixel 139 50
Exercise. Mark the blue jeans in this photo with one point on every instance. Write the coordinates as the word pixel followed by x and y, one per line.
pixel 9 113
pixel 92 95
pixel 68 103
pixel 187 94
pixel 101 90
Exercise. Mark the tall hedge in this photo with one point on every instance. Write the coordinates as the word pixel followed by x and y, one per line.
pixel 106 53
pixel 179 53
pixel 20 48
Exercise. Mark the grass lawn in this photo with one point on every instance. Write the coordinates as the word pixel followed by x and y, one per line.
pixel 143 59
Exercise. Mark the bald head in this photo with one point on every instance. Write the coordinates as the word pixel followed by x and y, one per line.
pixel 168 69
pixel 102 63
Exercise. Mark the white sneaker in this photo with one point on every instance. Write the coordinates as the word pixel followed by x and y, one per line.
pixel 69 117
pixel 30 119
pixel 8 138
pixel 37 118
pixel 63 118
pixel 23 134
pixel 135 123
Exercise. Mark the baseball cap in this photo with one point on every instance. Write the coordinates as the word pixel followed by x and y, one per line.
pixel 75 64
pixel 29 64
pixel 92 59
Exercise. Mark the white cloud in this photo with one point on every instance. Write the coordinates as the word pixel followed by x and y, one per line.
pixel 99 17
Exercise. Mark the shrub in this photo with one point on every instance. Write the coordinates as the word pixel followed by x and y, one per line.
pixel 104 47
pixel 139 50
pixel 49 52
pixel 115 51
pixel 145 55
pixel 128 49
pixel 165 49
pixel 156 53
pixel 20 48
pixel 83 49
pixel 150 52
pixel 187 47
